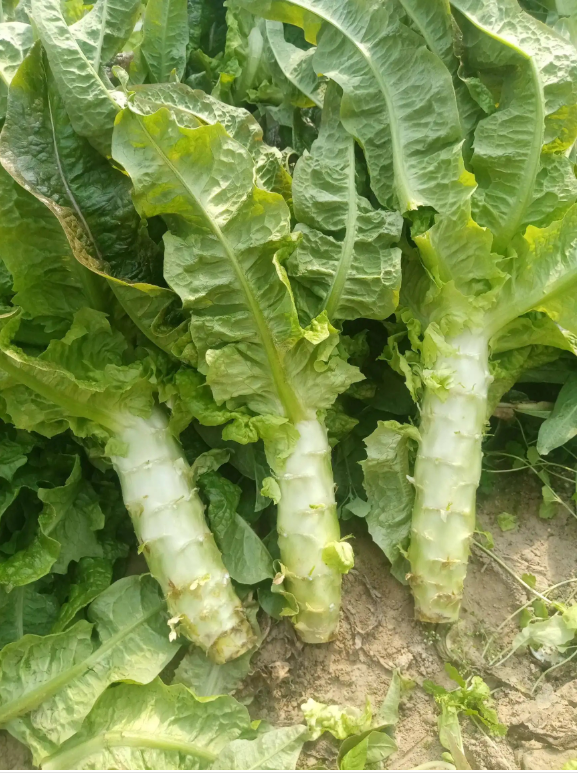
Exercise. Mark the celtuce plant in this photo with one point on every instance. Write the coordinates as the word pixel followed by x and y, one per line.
pixel 81 382
pixel 483 177
pixel 223 257
pixel 105 392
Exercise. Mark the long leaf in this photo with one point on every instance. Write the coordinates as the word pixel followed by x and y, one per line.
pixel 350 276
pixel 533 119
pixel 152 728
pixel 63 674
pixel 398 97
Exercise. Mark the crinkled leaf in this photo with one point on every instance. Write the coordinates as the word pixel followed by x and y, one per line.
pixel 93 576
pixel 277 749
pixel 80 381
pixel 220 258
pixel 14 450
pixel 165 38
pixel 193 108
pixel 206 678
pixel 152 727
pixel 340 721
pixel 533 115
pixel 345 262
pixel 65 673
pixel 25 610
pixel 16 39
pixel 404 116
pixel 66 526
pixel 90 106
pixel 390 493
pixel 542 276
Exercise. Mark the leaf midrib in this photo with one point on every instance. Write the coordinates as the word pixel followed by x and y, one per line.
pixel 67 188
pixel 506 314
pixel 122 738
pixel 28 702
pixel 402 183
pixel 285 393
pixel 311 94
pixel 525 191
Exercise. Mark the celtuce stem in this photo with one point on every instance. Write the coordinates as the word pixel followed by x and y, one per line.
pixel 447 474
pixel 181 553
pixel 307 525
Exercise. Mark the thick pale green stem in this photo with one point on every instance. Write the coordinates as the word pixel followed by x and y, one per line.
pixel 307 524
pixel 447 474
pixel 180 550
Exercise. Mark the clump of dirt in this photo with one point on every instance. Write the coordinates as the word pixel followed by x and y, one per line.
pixel 378 633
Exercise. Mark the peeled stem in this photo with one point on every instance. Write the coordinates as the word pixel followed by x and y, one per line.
pixel 169 522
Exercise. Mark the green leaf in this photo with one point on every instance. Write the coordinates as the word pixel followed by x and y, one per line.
pixel 14 450
pixel 354 275
pixel 529 579
pixel 66 672
pixel 302 86
pixel 93 576
pixel 388 712
pixel 47 284
pixel 548 505
pixel 532 118
pixel 244 555
pixel 507 521
pixel 153 727
pixel 90 106
pixel 390 493
pixel 368 753
pixel 104 30
pixel 371 747
pixel 340 721
pixel 560 426
pixel 66 526
pixel 271 489
pixel 76 381
pixel 473 698
pixel 193 108
pixel 365 48
pixel 543 276
pixel 42 151
pixel 206 678
pixel 165 38
pixel 556 632
pixel 277 749
pixel 25 610
pixel 268 363
pixel 16 39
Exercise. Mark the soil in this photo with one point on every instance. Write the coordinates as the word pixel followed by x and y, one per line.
pixel 378 633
